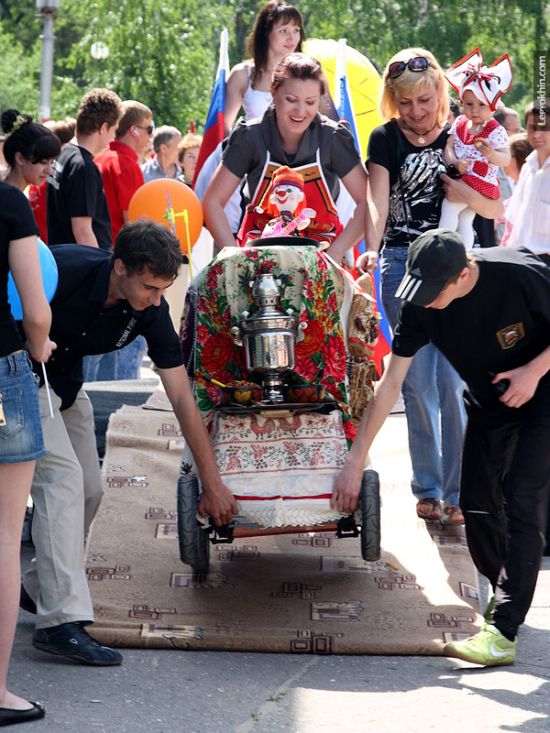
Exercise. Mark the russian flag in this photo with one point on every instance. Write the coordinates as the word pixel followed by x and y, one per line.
pixel 344 107
pixel 214 127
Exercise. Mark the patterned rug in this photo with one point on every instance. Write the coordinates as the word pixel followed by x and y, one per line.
pixel 302 593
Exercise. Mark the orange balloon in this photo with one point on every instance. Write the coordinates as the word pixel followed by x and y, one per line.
pixel 173 204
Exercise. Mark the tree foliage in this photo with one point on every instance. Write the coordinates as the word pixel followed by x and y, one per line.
pixel 21 91
pixel 165 54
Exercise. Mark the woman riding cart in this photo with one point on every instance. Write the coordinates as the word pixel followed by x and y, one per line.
pixel 291 133
pixel 267 329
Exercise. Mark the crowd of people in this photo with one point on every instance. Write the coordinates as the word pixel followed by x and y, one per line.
pixel 470 353
pixel 107 297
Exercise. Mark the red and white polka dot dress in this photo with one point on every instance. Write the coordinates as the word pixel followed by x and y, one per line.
pixel 481 175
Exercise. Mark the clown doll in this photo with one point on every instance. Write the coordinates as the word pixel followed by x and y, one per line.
pixel 478 144
pixel 286 204
pixel 281 198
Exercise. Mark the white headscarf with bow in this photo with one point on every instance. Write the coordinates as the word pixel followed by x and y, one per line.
pixel 488 83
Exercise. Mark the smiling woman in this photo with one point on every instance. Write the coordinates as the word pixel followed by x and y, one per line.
pixel 405 161
pixel 291 133
pixel 278 31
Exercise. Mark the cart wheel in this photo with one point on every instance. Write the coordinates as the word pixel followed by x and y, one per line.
pixel 370 516
pixel 193 541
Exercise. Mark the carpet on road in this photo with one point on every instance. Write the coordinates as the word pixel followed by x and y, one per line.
pixel 302 593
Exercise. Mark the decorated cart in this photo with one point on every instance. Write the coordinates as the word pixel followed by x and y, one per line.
pixel 279 341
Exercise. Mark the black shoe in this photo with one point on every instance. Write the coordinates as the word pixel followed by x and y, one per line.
pixel 8 716
pixel 26 602
pixel 73 642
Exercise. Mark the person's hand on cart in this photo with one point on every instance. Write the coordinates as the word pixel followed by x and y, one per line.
pixel 218 503
pixel 347 486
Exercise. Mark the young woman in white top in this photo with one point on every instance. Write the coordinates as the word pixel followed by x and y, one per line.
pixel 278 31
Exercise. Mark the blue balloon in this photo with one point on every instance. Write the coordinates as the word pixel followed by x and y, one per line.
pixel 49 280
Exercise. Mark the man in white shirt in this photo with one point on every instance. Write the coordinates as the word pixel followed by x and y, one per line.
pixel 528 213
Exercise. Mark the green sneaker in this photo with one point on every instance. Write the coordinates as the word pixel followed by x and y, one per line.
pixel 489 610
pixel 488 647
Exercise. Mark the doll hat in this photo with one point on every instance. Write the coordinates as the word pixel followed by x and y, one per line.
pixel 285 175
pixel 488 83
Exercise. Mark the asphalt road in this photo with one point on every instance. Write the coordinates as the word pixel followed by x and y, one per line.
pixel 231 692
pixel 211 692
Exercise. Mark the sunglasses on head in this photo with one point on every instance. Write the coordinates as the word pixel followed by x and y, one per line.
pixel 418 63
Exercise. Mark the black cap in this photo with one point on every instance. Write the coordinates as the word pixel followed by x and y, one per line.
pixel 434 258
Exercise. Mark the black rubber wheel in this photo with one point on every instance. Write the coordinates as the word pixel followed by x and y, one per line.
pixel 193 541
pixel 370 516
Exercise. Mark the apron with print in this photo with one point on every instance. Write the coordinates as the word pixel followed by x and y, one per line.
pixel 325 225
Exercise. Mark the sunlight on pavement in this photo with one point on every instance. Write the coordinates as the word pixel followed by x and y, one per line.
pixel 522 684
pixel 316 711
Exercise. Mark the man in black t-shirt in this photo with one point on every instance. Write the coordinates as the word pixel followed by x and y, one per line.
pixel 76 205
pixel 102 303
pixel 488 312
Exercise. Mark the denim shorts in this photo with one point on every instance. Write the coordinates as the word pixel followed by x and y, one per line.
pixel 21 436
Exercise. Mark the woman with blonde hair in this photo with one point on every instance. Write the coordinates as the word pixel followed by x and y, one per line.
pixel 407 184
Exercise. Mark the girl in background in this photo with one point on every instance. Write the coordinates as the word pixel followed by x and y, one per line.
pixel 278 30
pixel 188 154
pixel 29 150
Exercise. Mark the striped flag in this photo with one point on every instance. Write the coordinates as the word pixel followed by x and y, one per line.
pixel 214 128
pixel 344 105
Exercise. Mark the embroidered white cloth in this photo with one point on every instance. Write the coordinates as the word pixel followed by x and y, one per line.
pixel 281 469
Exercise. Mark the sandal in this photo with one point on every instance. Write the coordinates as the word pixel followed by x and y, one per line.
pixel 428 509
pixel 452 514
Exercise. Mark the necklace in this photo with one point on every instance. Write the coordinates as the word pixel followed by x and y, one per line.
pixel 421 135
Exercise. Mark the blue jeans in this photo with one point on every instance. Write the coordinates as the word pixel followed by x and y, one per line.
pixel 21 437
pixel 123 363
pixel 432 393
pixel 130 358
pixel 99 367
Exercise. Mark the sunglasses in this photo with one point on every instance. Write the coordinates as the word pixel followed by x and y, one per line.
pixel 149 129
pixel 418 63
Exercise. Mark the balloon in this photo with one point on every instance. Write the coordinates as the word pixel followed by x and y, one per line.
pixel 363 80
pixel 173 204
pixel 50 277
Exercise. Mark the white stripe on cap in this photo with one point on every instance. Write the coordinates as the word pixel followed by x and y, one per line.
pixel 408 288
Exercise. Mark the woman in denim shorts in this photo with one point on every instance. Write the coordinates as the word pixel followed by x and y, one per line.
pixel 20 431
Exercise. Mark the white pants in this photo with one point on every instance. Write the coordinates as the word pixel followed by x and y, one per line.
pixel 66 493
pixel 459 218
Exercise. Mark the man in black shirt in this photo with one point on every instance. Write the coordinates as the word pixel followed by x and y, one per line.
pixel 102 303
pixel 488 312
pixel 76 205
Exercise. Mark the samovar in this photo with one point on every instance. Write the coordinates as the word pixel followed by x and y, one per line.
pixel 268 336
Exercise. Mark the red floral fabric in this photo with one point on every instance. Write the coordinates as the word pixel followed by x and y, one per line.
pixel 310 286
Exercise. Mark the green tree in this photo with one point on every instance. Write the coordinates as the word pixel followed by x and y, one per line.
pixel 165 54
pixel 19 81
pixel 159 54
